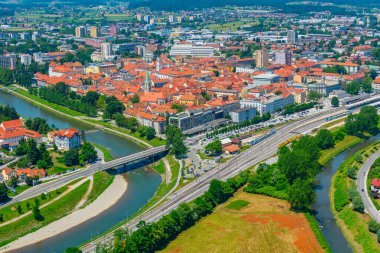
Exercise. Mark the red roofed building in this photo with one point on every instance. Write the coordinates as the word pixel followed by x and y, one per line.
pixel 22 174
pixel 65 139
pixel 13 131
pixel 375 187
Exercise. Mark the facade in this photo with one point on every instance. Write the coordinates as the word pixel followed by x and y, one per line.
pixel 8 61
pixel 80 32
pixel 265 79
pixel 105 49
pixel 65 139
pixel 243 114
pixel 269 104
pixel 292 37
pixel 283 57
pixel 191 50
pixel 25 59
pixel 262 58
pixel 13 131
pixel 94 32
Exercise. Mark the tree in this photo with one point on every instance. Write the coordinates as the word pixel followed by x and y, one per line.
pixel 353 88
pixel 87 153
pixel 101 104
pixel 37 213
pixel 113 106
pixel 19 209
pixel 135 99
pixel 214 147
pixel 367 85
pixel 314 96
pixel 335 102
pixel 71 157
pixel 357 204
pixel 301 194
pixel 373 226
pixel 73 250
pixel 174 140
pixel 324 139
pixel 150 133
pixel 33 153
pixel 351 172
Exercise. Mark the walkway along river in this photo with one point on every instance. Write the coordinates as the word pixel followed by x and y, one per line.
pixel 142 184
pixel 322 206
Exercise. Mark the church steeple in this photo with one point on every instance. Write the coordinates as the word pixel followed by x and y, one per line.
pixel 147 82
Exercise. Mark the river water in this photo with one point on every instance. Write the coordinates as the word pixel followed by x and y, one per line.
pixel 322 206
pixel 142 183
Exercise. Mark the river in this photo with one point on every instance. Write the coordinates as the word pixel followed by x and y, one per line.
pixel 142 183
pixel 322 206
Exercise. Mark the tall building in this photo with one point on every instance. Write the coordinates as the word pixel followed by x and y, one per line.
pixel 292 37
pixel 8 61
pixel 25 59
pixel 283 57
pixel 262 58
pixel 147 19
pixel 171 19
pixel 94 31
pixel 105 49
pixel 79 32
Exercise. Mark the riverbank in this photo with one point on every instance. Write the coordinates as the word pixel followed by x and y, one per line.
pixel 353 224
pixel 109 197
pixel 23 94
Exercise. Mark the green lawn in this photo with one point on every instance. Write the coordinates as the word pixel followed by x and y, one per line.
pixel 102 180
pixel 10 212
pixel 107 154
pixel 238 204
pixel 352 223
pixel 48 104
pixel 160 167
pixel 347 142
pixel 19 189
pixel 53 212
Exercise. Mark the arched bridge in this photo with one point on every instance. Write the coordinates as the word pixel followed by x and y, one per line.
pixel 146 154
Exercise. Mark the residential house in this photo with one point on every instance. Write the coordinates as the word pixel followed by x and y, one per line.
pixel 65 139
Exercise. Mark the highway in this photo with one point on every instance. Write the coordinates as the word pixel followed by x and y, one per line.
pixel 241 162
pixel 86 172
pixel 362 186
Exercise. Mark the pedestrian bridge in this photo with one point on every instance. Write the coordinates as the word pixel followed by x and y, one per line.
pixel 136 157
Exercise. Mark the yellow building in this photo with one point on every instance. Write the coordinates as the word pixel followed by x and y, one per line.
pixel 79 32
pixel 94 32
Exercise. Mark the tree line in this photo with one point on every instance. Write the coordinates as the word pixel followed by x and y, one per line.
pixel 150 237
pixel 8 113
pixel 255 120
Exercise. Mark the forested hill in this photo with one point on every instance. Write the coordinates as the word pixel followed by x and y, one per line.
pixel 188 5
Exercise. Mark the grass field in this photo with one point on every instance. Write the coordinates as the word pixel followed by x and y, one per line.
pixel 102 180
pixel 53 212
pixel 347 142
pixel 353 224
pixel 10 212
pixel 263 225
pixel 232 25
pixel 107 154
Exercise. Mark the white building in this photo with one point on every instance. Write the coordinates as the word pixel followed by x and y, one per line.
pixel 25 59
pixel 191 50
pixel 105 49
pixel 8 61
pixel 283 57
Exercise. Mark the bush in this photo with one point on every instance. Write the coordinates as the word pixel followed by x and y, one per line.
pixel 373 226
pixel 357 204
pixel 351 172
pixel 341 198
pixel 359 158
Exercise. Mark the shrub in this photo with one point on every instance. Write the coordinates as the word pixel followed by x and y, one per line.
pixel 373 226
pixel 351 172
pixel 357 204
